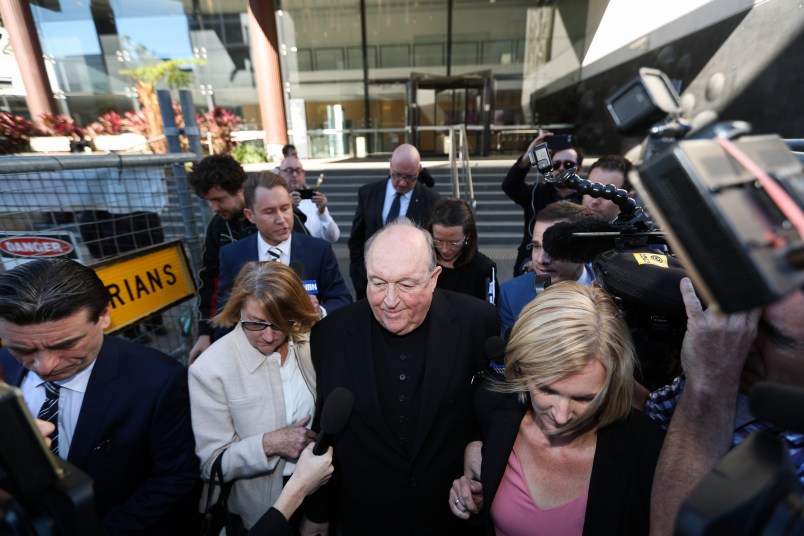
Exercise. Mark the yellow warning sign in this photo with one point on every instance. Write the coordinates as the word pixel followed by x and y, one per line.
pixel 145 282
pixel 655 259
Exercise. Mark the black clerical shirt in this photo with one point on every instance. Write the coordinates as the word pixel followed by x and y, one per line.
pixel 399 363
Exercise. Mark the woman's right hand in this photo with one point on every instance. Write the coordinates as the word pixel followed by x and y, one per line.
pixel 288 442
pixel 466 497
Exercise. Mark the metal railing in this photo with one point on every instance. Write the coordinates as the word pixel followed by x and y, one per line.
pixel 459 163
pixel 103 206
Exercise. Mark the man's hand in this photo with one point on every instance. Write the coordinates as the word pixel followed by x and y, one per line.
pixel 45 428
pixel 289 441
pixel 716 345
pixel 316 304
pixel 524 161
pixel 320 201
pixel 203 342
pixel 466 497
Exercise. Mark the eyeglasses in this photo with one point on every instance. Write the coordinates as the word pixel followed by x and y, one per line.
pixel 254 325
pixel 566 163
pixel 292 171
pixel 451 243
pixel 400 177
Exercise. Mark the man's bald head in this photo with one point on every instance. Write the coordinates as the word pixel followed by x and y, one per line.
pixel 405 167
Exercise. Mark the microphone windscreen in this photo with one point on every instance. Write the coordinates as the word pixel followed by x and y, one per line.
pixel 560 242
pixel 298 268
pixel 336 412
pixel 494 348
pixel 334 416
pixel 781 405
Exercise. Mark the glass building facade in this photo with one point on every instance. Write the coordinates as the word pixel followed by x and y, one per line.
pixel 383 71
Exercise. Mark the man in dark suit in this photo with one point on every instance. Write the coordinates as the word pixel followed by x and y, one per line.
pixel 516 293
pixel 399 195
pixel 121 410
pixel 269 207
pixel 408 354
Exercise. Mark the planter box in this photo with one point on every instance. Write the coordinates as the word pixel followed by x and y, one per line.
pixel 50 144
pixel 120 142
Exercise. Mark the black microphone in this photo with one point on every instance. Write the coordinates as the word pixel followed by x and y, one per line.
pixel 336 412
pixel 780 405
pixel 561 242
pixel 298 268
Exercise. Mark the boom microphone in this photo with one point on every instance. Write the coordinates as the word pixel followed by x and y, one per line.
pixel 336 412
pixel 778 404
pixel 561 242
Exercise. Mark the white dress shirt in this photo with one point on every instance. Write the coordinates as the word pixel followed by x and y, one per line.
pixel 283 247
pixel 404 200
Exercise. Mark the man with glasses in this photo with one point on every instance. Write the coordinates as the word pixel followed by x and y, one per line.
pixel 516 293
pixel 534 197
pixel 408 353
pixel 319 221
pixel 399 195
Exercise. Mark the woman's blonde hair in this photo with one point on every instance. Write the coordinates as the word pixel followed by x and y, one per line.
pixel 560 332
pixel 280 293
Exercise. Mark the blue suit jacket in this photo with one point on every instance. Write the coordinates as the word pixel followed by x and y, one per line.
pixel 134 439
pixel 314 254
pixel 515 294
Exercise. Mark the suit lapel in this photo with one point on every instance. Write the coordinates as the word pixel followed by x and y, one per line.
pixel 443 338
pixel 97 399
pixel 357 344
pixel 416 209
pixel 607 486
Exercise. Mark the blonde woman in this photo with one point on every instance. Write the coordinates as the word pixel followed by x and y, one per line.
pixel 562 452
pixel 252 393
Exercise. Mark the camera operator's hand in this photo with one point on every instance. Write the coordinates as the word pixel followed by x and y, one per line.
pixel 320 201
pixel 295 197
pixel 524 161
pixel 716 345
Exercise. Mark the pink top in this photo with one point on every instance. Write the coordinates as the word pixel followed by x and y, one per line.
pixel 514 513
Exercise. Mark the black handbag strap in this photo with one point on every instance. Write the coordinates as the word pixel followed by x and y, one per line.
pixel 216 479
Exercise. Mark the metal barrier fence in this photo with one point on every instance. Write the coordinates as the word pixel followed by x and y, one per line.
pixel 96 207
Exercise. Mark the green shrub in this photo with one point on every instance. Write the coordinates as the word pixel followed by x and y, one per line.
pixel 247 153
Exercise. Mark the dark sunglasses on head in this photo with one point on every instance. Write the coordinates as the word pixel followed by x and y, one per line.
pixel 566 163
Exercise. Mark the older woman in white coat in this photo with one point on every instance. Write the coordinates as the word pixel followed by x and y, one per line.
pixel 252 393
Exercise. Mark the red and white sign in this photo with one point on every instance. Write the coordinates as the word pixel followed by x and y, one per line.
pixel 35 246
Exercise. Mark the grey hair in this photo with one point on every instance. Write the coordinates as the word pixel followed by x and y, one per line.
pixel 45 290
pixel 406 222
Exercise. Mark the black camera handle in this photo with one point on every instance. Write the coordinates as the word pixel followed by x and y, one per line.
pixel 631 219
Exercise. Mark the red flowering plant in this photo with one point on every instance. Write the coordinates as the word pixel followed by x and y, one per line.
pixel 110 123
pixel 15 131
pixel 59 125
pixel 220 123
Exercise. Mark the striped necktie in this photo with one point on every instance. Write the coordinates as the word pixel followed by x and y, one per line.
pixel 50 413
pixel 274 253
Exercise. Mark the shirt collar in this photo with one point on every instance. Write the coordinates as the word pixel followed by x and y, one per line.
pixel 389 191
pixel 283 247
pixel 77 382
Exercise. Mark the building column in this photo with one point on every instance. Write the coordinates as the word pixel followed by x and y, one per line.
pixel 18 20
pixel 265 59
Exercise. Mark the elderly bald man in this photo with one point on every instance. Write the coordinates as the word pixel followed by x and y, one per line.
pixel 400 194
